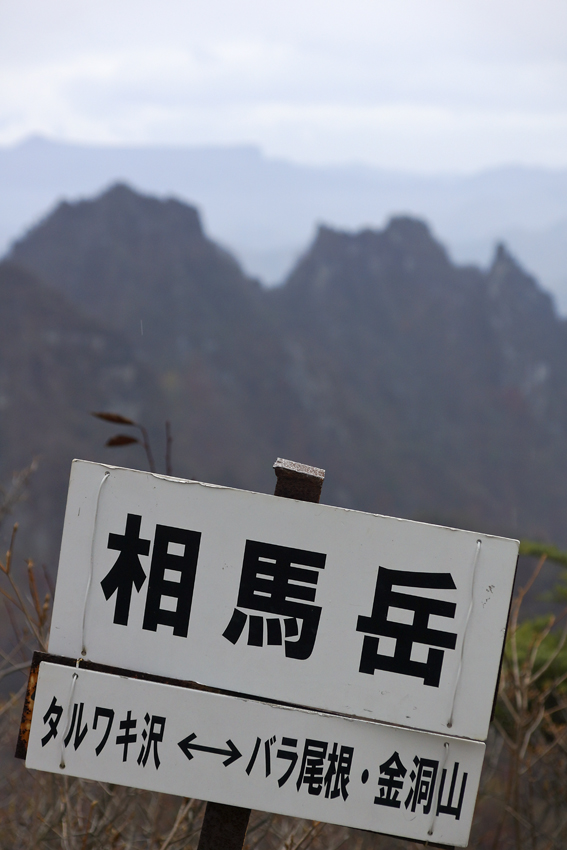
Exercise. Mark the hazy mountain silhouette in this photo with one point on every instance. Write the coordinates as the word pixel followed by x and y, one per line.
pixel 56 365
pixel 266 209
pixel 443 389
pixel 425 389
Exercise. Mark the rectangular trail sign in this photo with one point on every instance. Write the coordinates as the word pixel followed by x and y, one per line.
pixel 318 606
pixel 247 753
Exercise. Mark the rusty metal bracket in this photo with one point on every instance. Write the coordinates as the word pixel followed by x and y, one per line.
pixel 27 711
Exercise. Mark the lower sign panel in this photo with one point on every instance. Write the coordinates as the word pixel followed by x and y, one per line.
pixel 241 752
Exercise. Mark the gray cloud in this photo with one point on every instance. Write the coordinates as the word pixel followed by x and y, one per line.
pixel 425 84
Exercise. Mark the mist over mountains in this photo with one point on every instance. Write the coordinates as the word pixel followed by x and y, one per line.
pixel 426 389
pixel 266 211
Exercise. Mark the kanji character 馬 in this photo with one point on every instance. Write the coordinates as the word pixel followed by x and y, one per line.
pixel 281 581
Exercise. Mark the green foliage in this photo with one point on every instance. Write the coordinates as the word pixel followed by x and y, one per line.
pixel 552 553
pixel 540 649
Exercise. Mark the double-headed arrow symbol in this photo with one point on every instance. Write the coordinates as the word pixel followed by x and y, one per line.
pixel 186 746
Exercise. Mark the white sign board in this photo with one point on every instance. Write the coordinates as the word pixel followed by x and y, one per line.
pixel 245 753
pixel 318 606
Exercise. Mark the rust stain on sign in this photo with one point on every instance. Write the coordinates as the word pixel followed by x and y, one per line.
pixel 25 723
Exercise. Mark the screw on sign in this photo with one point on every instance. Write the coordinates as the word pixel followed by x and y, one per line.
pixel 225 826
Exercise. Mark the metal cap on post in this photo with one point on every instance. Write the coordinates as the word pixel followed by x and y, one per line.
pixel 224 827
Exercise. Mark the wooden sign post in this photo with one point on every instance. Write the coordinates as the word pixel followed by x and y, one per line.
pixel 224 827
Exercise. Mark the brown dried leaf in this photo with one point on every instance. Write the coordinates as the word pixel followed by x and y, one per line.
pixel 121 440
pixel 117 418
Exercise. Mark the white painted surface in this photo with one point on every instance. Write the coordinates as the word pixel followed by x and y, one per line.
pixel 355 544
pixel 215 719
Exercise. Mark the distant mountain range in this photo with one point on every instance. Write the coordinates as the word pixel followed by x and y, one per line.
pixel 266 211
pixel 426 389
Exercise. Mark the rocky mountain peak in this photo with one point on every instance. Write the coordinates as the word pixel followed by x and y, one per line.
pixel 427 388
pixel 513 290
pixel 120 204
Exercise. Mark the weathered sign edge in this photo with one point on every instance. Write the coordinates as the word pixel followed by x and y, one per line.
pixel 160 475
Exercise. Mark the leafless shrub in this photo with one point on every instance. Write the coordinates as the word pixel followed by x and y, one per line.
pixel 524 791
pixel 15 492
pixel 522 804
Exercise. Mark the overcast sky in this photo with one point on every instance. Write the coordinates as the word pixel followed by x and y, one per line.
pixel 427 85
